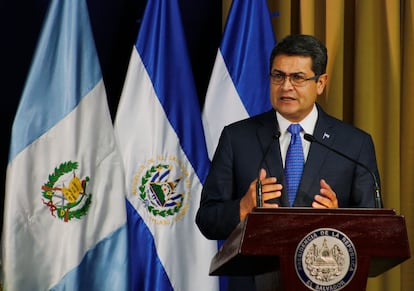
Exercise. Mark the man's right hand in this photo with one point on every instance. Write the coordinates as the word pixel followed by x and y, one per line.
pixel 270 190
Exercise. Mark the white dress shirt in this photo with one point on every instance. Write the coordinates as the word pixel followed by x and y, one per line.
pixel 307 124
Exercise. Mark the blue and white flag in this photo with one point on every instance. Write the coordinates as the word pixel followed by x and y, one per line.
pixel 239 84
pixel 65 217
pixel 159 129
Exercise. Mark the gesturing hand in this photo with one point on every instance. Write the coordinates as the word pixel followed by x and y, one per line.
pixel 326 197
pixel 270 190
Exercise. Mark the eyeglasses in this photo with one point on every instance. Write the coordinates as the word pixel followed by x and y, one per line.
pixel 296 79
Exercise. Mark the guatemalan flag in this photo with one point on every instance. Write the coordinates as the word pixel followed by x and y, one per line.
pixel 158 124
pixel 65 216
pixel 239 84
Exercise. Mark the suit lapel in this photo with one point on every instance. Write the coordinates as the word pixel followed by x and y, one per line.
pixel 324 132
pixel 273 160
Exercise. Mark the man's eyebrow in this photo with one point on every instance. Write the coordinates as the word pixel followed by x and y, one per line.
pixel 281 72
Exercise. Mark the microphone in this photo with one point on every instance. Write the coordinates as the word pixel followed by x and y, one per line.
pixel 259 202
pixel 378 199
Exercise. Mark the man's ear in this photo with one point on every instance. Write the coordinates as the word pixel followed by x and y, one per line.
pixel 321 83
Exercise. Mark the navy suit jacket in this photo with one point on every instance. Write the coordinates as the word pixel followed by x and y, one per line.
pixel 241 149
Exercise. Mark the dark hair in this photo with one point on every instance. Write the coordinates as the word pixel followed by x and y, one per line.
pixel 303 45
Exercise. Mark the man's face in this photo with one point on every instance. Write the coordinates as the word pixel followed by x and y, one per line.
pixel 295 102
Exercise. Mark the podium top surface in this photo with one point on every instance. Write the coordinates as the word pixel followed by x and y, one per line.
pixel 309 210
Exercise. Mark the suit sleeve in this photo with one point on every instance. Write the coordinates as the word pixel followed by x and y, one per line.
pixel 363 186
pixel 219 211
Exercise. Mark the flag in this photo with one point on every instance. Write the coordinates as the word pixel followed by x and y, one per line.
pixel 160 134
pixel 65 216
pixel 239 83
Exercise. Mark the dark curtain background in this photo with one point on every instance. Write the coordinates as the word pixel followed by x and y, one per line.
pixel 115 24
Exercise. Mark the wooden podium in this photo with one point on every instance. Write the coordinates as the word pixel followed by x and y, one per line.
pixel 313 248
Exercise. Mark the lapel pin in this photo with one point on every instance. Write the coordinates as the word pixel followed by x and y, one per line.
pixel 325 135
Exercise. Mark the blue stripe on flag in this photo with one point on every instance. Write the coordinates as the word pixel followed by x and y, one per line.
pixel 56 75
pixel 142 246
pixel 156 43
pixel 110 250
pixel 246 46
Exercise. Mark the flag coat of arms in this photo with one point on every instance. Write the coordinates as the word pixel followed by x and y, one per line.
pixel 65 215
pixel 159 130
pixel 239 83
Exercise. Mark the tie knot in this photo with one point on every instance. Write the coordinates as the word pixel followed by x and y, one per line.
pixel 294 128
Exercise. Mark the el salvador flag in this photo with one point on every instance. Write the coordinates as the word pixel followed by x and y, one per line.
pixel 65 216
pixel 160 134
pixel 239 84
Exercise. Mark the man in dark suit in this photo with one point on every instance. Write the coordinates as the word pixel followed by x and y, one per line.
pixel 297 77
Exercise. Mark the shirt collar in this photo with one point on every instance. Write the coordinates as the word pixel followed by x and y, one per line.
pixel 308 123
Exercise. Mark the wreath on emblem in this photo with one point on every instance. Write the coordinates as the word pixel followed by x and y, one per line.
pixel 158 193
pixel 73 201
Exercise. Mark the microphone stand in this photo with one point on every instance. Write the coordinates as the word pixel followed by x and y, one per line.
pixel 259 201
pixel 378 200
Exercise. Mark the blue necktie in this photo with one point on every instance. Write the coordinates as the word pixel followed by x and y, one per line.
pixel 294 162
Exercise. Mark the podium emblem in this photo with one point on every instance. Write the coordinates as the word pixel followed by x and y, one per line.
pixel 325 259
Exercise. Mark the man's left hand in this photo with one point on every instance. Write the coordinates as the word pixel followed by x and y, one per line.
pixel 326 197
